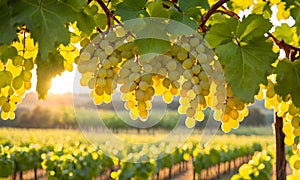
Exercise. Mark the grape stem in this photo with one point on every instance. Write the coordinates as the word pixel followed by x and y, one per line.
pixel 109 14
pixel 228 12
pixel 291 52
pixel 210 12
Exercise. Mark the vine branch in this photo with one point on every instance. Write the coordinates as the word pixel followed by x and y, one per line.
pixel 210 12
pixel 291 52
pixel 109 14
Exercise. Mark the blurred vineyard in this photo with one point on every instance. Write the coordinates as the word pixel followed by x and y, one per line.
pixel 53 154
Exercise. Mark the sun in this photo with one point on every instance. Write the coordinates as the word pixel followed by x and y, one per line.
pixel 63 84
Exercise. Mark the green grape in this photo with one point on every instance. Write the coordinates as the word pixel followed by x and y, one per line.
pixel 202 58
pixel 187 74
pixel 181 55
pixel 101 73
pixel 109 50
pixel 139 95
pixel 188 63
pixel 17 82
pixel 92 83
pixel 196 69
pixel 200 48
pixel 120 31
pixel 84 42
pixel 3 99
pixel 26 75
pixel 186 46
pixel 194 41
pixel 6 78
pixel 143 85
pixel 295 122
pixel 106 64
pixel 18 60
pixel 171 66
pixel 174 76
pixel 6 107
pixel 195 80
pixel 85 56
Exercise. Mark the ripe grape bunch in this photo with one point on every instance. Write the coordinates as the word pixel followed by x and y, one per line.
pixel 188 69
pixel 15 79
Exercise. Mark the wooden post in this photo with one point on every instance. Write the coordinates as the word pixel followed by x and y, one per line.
pixel 280 152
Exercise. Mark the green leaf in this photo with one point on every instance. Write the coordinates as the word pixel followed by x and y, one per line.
pixel 221 33
pixel 178 16
pixel 156 9
pixel 85 22
pixel 246 67
pixel 7 31
pixel 262 8
pixel 254 26
pixel 184 5
pixel 130 9
pixel 151 45
pixel 46 20
pixel 100 20
pixel 46 70
pixel 244 52
pixel 295 12
pixel 7 52
pixel 291 2
pixel 288 80
pixel 286 33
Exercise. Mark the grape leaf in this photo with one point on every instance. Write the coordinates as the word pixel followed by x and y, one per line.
pixel 185 5
pixel 130 9
pixel 295 12
pixel 151 45
pixel 244 52
pixel 288 80
pixel 262 7
pixel 7 52
pixel 156 9
pixel 85 22
pixel 291 2
pixel 46 70
pixel 7 31
pixel 286 33
pixel 221 33
pixel 46 20
pixel 177 16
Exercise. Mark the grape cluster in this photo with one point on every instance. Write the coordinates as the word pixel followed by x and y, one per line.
pixel 188 69
pixel 100 60
pixel 284 107
pixel 15 80
pixel 235 111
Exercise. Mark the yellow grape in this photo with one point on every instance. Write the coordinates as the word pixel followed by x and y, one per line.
pixel 28 64
pixel 168 97
pixel 199 116
pixel 190 122
pixel 6 107
pixel 18 60
pixel 26 75
pixel 17 82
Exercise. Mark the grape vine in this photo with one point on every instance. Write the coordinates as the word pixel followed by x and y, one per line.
pixel 43 36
